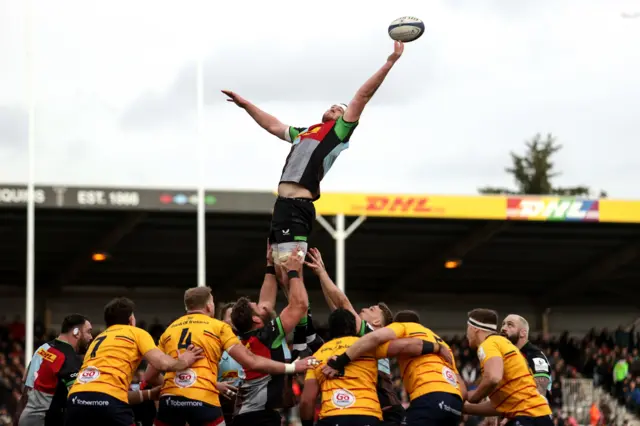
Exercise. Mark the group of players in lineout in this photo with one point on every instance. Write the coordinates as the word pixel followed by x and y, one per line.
pixel 238 368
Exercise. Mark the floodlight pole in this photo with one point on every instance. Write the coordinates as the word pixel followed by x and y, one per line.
pixel 340 235
pixel 202 233
pixel 31 100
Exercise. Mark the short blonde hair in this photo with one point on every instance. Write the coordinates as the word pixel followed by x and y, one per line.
pixel 197 298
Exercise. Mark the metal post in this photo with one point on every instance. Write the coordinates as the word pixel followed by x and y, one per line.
pixel 202 233
pixel 29 316
pixel 340 235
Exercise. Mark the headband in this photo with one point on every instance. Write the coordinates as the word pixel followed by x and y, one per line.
pixel 341 105
pixel 482 325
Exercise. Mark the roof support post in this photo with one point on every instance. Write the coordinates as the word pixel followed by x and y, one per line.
pixel 340 235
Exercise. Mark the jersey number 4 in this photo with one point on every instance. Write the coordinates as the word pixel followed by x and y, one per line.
pixel 185 339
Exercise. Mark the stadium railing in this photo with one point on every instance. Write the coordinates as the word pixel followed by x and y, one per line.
pixel 578 395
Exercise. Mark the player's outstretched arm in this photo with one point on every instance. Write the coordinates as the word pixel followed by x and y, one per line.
pixel 492 373
pixel 333 295
pixel 298 304
pixel 264 120
pixel 251 361
pixel 269 289
pixel 369 88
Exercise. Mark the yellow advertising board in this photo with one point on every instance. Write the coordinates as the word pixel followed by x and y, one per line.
pixel 530 208
pixel 398 205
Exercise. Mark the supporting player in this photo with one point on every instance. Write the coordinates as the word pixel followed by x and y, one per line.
pixel 230 373
pixel 191 395
pixel 314 150
pixel 99 395
pixel 369 319
pixel 431 379
pixel 350 399
pixel 51 373
pixel 261 396
pixel 506 378
pixel 516 329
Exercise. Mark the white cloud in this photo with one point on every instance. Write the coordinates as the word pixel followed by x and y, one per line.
pixel 116 91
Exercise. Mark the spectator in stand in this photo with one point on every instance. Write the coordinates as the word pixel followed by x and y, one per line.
pixel 620 372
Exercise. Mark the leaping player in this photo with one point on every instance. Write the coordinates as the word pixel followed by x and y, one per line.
pixel 315 149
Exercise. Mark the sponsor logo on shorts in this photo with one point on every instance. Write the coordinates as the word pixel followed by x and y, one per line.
pixel 182 403
pixel 449 376
pixel 342 398
pixel 93 403
pixel 447 408
pixel 88 375
pixel 185 378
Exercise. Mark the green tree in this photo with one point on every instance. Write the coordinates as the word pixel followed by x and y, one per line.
pixel 534 171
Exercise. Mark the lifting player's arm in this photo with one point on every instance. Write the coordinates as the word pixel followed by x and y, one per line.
pixel 298 304
pixel 484 409
pixel 369 88
pixel 492 363
pixel 264 120
pixel 269 289
pixel 334 296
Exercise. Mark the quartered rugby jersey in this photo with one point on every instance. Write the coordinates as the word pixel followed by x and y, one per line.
pixel 52 371
pixel 314 151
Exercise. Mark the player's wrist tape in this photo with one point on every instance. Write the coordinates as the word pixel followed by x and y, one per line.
pixel 293 274
pixel 428 348
pixel 289 368
pixel 270 270
pixel 141 396
pixel 340 362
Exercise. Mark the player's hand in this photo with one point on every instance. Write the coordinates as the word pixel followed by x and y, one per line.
pixel 235 98
pixel 227 390
pixel 269 254
pixel 315 262
pixel 191 355
pixel 504 422
pixel 398 48
pixel 446 354
pixel 331 372
pixel 295 261
pixel 305 364
pixel 155 393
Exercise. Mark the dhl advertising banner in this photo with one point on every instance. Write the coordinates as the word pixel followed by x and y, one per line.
pixel 553 209
pixel 424 206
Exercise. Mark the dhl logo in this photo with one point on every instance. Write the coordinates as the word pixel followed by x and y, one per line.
pixel 553 209
pixel 46 355
pixel 229 375
pixel 406 205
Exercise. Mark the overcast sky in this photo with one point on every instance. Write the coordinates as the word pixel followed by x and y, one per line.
pixel 116 99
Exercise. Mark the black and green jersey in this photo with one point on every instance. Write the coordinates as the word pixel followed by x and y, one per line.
pixel 314 151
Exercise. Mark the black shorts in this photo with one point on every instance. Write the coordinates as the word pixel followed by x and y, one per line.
pixel 258 418
pixel 292 220
pixel 530 421
pixel 436 408
pixel 178 411
pixel 394 415
pixel 353 420
pixel 97 409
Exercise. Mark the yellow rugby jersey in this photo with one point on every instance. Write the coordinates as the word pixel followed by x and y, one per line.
pixel 354 393
pixel 214 337
pixel 111 360
pixel 516 394
pixel 426 373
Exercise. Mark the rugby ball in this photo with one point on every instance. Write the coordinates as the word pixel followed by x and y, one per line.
pixel 406 29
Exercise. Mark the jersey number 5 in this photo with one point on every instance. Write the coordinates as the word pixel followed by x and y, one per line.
pixel 185 339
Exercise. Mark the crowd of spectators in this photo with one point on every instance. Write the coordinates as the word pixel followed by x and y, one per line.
pixel 611 359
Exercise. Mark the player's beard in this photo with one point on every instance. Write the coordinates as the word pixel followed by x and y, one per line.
pixel 513 338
